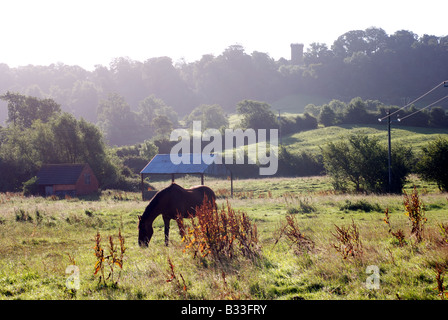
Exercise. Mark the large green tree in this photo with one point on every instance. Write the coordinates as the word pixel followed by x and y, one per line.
pixel 256 115
pixel 63 139
pixel 23 110
pixel 211 116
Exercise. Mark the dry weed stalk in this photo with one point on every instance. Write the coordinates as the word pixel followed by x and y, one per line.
pixel 115 258
pixel 181 290
pixel 348 242
pixel 415 210
pixel 440 269
pixel 219 232
pixel 292 231
pixel 443 229
pixel 399 234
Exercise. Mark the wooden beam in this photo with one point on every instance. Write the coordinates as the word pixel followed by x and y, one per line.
pixel 231 184
pixel 142 186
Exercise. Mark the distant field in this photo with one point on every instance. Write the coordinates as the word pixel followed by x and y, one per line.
pixel 311 140
pixel 38 236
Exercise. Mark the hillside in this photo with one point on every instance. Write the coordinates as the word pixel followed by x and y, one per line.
pixel 311 140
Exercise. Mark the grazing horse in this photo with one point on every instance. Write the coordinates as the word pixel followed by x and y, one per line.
pixel 170 203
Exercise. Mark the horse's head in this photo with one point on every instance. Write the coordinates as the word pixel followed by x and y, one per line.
pixel 144 232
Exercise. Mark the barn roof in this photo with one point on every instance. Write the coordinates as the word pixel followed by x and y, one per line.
pixel 162 164
pixel 59 173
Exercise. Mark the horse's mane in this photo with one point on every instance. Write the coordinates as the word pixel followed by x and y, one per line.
pixel 156 199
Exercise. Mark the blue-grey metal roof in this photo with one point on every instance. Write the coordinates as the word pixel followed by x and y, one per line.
pixel 162 164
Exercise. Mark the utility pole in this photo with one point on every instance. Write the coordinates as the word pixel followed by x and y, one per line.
pixel 279 127
pixel 389 150
pixel 444 84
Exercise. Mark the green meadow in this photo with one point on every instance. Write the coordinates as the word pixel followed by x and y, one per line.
pixel 41 237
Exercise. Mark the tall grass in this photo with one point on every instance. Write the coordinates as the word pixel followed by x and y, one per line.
pixel 33 253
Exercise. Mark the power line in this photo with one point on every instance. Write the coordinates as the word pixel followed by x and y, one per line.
pixel 443 83
pixel 423 108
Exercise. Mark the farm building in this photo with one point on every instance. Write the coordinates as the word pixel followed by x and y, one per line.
pixel 161 164
pixel 66 179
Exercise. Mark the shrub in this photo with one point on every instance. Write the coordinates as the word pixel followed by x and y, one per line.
pixel 348 243
pixel 304 206
pixel 220 233
pixel 361 162
pixel 23 216
pixel 30 187
pixel 301 164
pixel 415 210
pixel 433 163
pixel 362 205
pixel 291 230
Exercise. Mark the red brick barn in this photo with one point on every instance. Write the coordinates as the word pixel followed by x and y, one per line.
pixel 67 179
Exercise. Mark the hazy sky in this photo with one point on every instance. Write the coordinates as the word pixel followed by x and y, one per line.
pixel 90 32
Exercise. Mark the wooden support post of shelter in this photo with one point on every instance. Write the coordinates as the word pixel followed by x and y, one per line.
pixel 161 164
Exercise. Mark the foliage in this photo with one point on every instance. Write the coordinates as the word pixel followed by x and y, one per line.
pixel 62 139
pixel 433 162
pixel 256 115
pixel 327 116
pixel 30 187
pixel 148 150
pixel 362 161
pixel 367 63
pixel 297 123
pixel 300 164
pixel 362 205
pixel 23 110
pixel 211 117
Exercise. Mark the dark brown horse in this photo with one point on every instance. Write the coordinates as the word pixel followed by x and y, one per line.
pixel 171 202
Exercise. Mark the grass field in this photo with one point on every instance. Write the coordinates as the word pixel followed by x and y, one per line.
pixel 40 238
pixel 311 140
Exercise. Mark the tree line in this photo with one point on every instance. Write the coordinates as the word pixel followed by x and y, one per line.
pixel 367 63
pixel 39 132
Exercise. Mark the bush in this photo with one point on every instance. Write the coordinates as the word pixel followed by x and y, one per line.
pixel 433 163
pixel 31 187
pixel 361 162
pixel 362 205
pixel 301 165
pixel 296 238
pixel 220 233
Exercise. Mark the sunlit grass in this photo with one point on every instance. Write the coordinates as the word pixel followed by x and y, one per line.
pixel 34 254
pixel 312 140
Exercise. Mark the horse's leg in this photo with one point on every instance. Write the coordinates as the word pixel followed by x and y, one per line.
pixel 166 220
